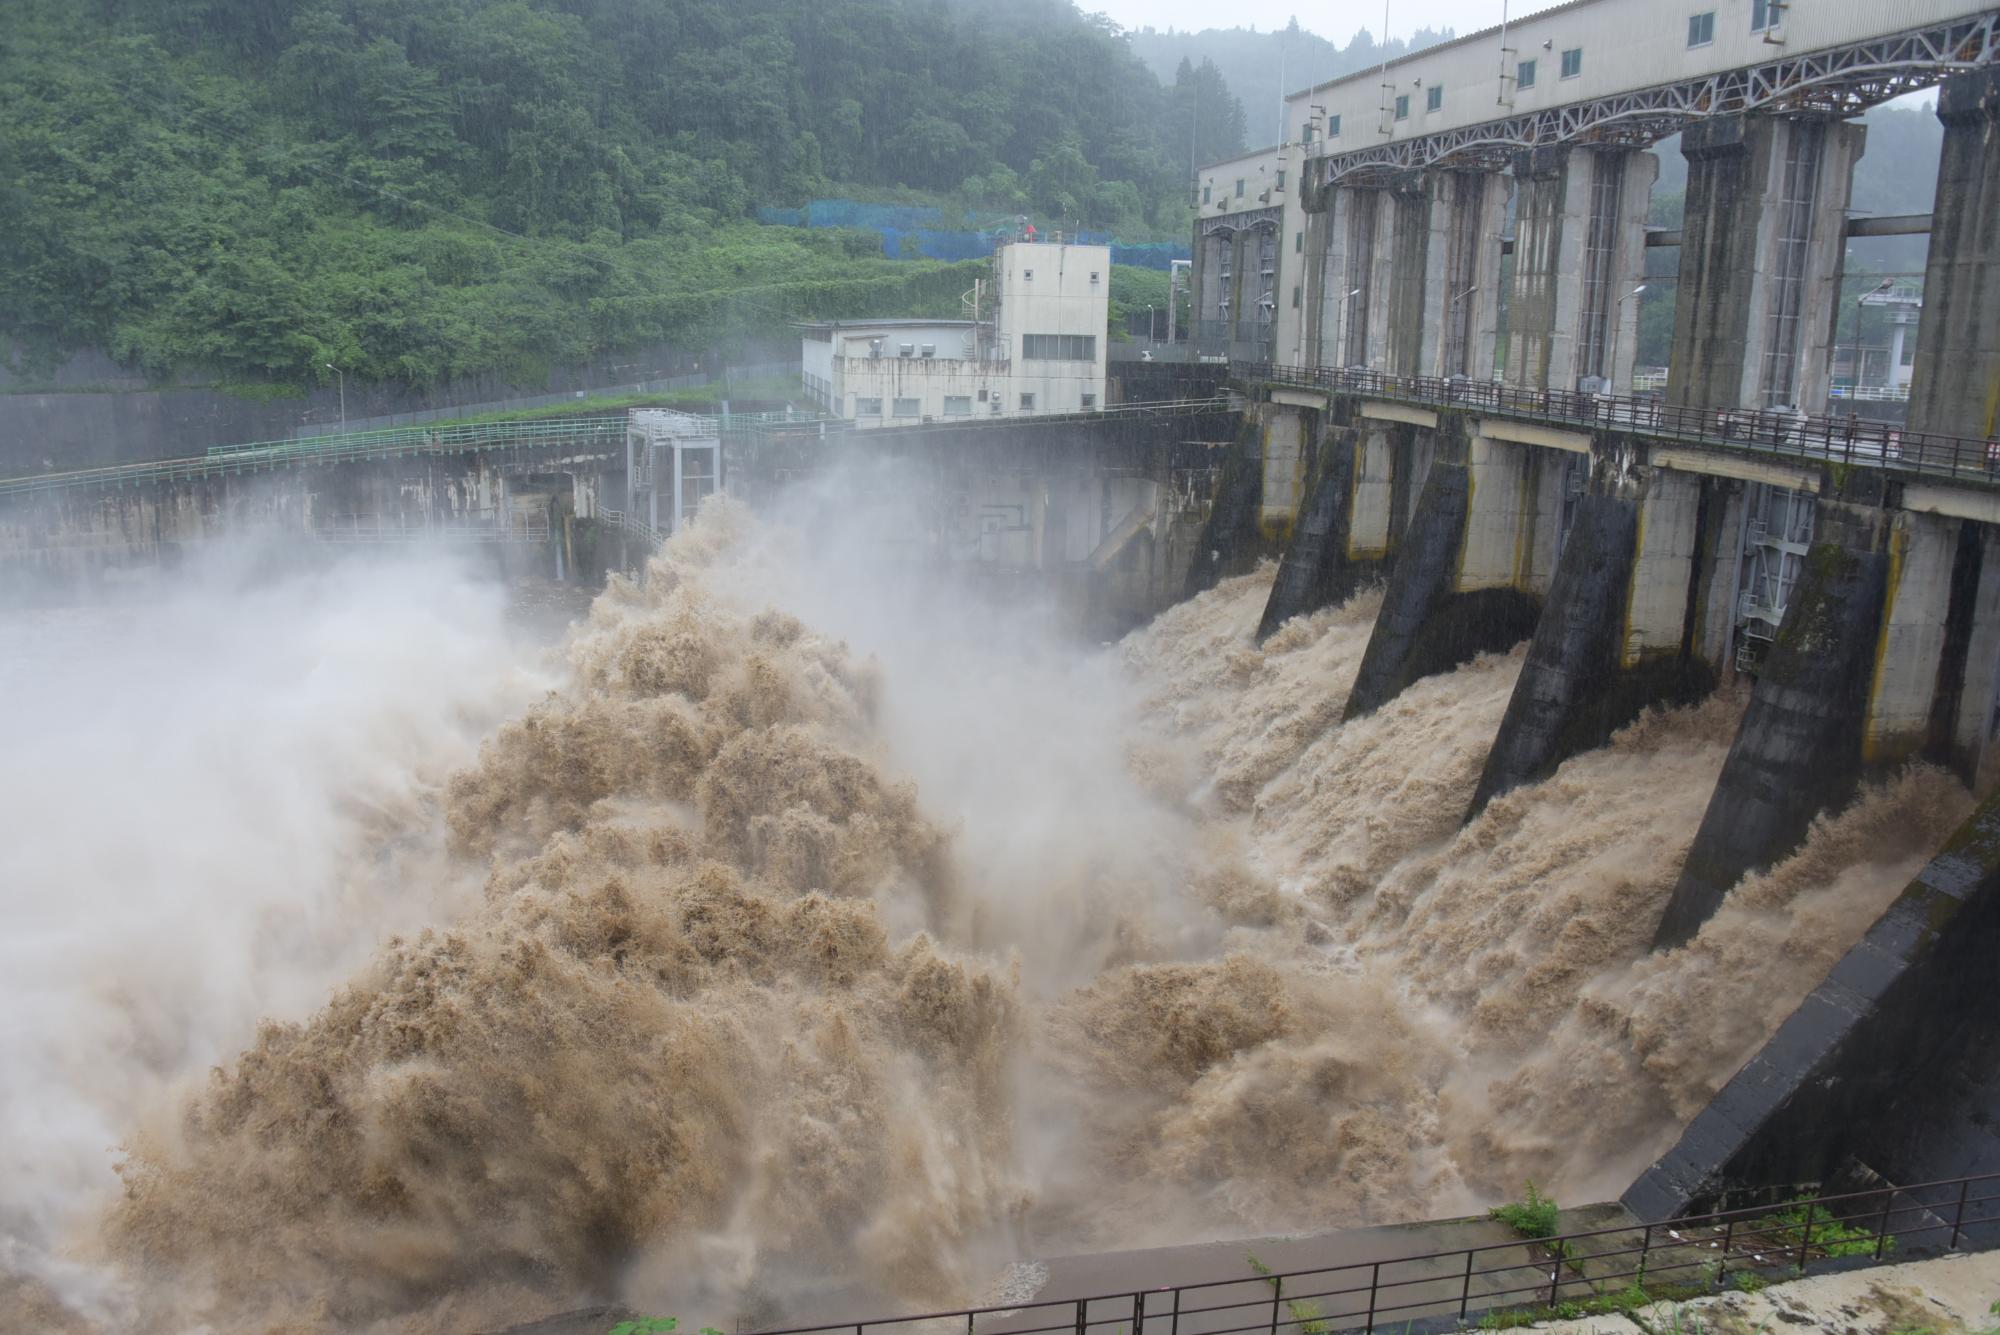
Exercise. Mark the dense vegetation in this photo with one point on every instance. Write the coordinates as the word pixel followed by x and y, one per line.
pixel 421 189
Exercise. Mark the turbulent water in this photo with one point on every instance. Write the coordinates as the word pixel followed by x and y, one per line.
pixel 835 935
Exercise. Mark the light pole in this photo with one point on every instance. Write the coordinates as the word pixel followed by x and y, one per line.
pixel 1339 320
pixel 1611 364
pixel 1151 334
pixel 1449 306
pixel 343 393
pixel 1854 391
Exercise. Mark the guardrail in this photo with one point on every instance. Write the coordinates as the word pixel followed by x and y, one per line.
pixel 632 524
pixel 1849 440
pixel 356 446
pixel 603 431
pixel 1591 1271
pixel 397 528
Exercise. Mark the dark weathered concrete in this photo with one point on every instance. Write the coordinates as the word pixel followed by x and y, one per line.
pixel 1232 541
pixel 1955 386
pixel 1319 568
pixel 1799 750
pixel 1425 625
pixel 1880 1064
pixel 1723 326
pixel 1540 175
pixel 1728 158
pixel 1575 690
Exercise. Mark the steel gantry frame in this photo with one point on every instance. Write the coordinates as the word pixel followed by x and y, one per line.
pixel 1836 81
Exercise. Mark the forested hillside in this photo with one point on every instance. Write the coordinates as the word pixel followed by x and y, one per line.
pixel 418 189
pixel 1251 62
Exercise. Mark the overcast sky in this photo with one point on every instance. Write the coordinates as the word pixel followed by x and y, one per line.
pixel 1336 23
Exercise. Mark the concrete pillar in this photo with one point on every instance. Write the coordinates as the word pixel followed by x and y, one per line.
pixel 1968 699
pixel 1461 315
pixel 1615 635
pixel 1923 551
pixel 1411 286
pixel 1579 245
pixel 1350 524
pixel 1464 573
pixel 1761 250
pixel 1888 1063
pixel 1356 331
pixel 1799 750
pixel 1533 322
pixel 1955 384
pixel 1287 432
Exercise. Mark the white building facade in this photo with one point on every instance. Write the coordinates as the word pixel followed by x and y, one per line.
pixel 1033 342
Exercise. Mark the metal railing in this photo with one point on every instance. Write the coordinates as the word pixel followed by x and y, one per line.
pixel 630 523
pixel 570 432
pixel 1850 440
pixel 1679 1258
pixel 482 526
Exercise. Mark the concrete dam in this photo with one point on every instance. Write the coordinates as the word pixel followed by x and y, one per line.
pixel 1178 863
pixel 1447 730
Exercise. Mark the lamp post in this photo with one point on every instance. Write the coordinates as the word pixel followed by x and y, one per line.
pixel 1449 306
pixel 1339 320
pixel 1854 391
pixel 1617 314
pixel 343 393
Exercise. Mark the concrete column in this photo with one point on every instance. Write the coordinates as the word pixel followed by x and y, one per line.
pixel 1381 284
pixel 1955 384
pixel 1615 635
pixel 1412 288
pixel 1761 251
pixel 1923 551
pixel 1540 311
pixel 1319 278
pixel 1968 701
pixel 1350 524
pixel 1889 1062
pixel 1577 249
pixel 1461 318
pixel 1464 572
pixel 1287 431
pixel 1800 748
pixel 1637 173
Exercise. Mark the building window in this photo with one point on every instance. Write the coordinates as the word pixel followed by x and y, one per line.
pixel 1239 187
pixel 909 407
pixel 1027 275
pixel 1027 403
pixel 1333 127
pixel 1281 180
pixel 1093 276
pixel 1572 62
pixel 982 396
pixel 1207 193
pixel 1434 97
pixel 1764 14
pixel 1701 28
pixel 1059 347
pixel 1402 106
pixel 1090 400
pixel 1524 74
pixel 1298 243
pixel 867 407
pixel 958 405
pixel 1295 296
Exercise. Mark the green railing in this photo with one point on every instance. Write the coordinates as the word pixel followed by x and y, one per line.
pixel 354 446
